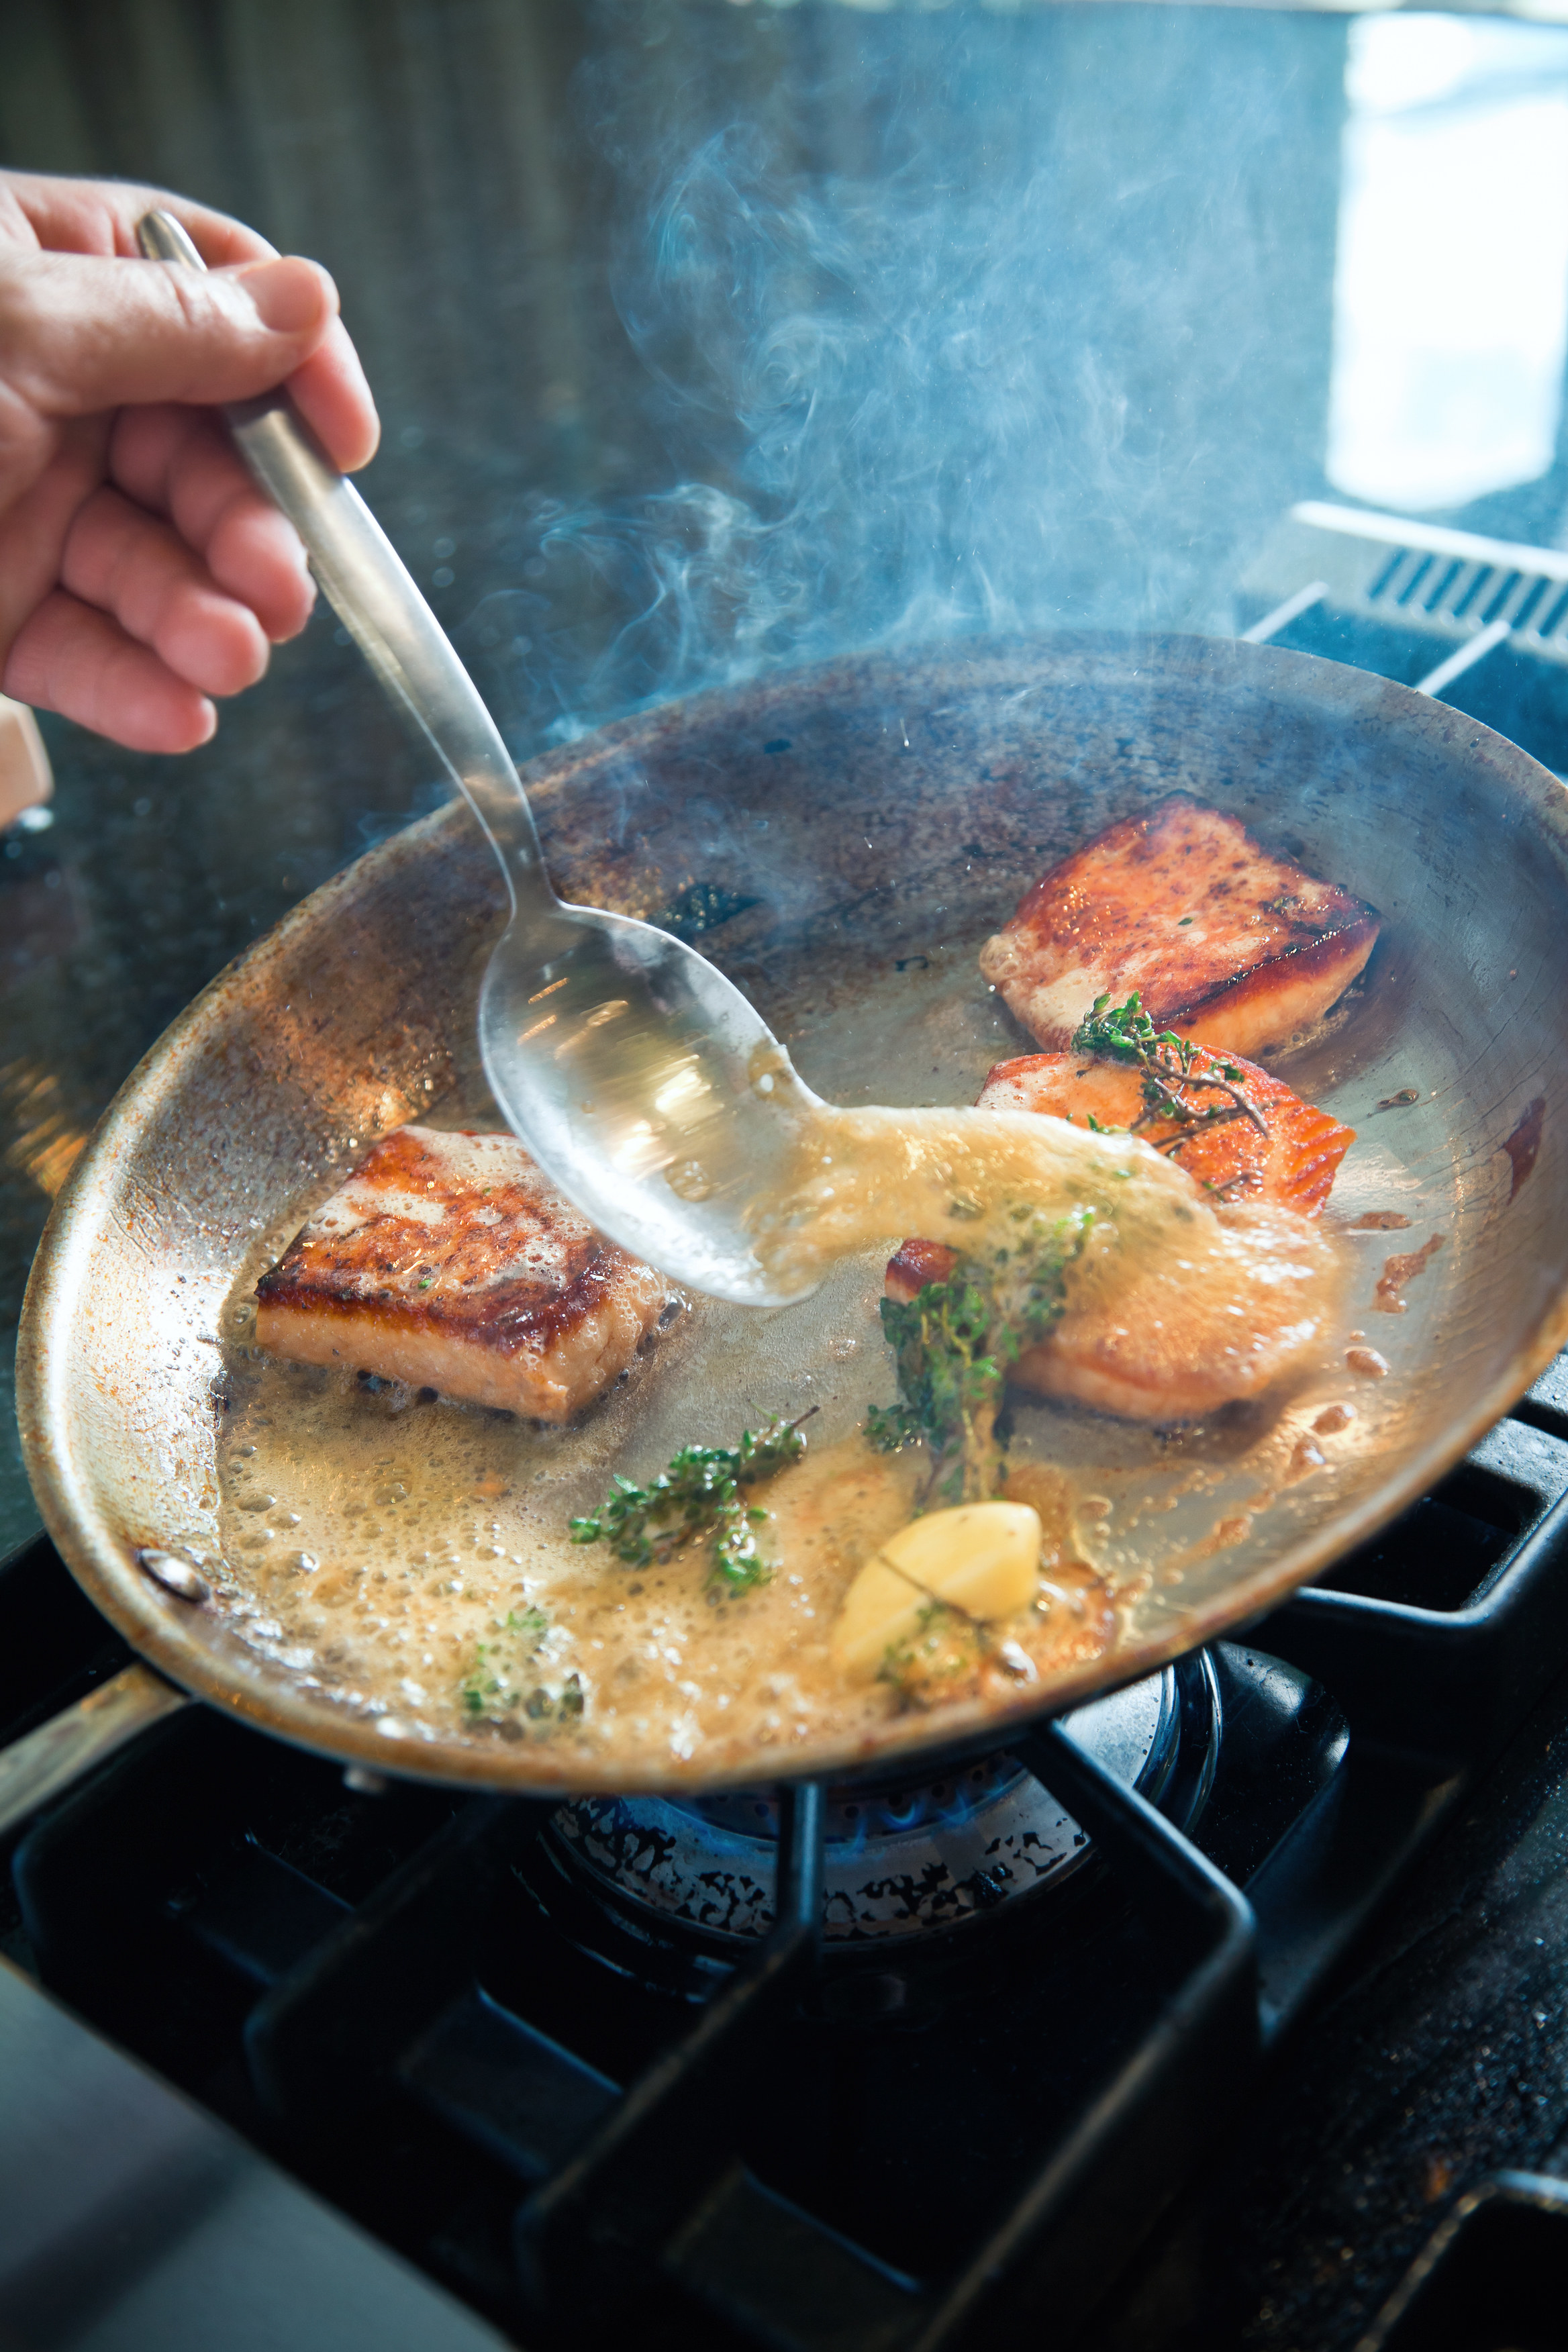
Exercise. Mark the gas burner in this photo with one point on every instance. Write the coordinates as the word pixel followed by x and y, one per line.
pixel 901 1859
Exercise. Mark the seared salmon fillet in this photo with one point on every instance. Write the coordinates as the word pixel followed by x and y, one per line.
pixel 1151 1348
pixel 1293 1164
pixel 1147 1347
pixel 450 1261
pixel 1224 942
pixel 1157 1348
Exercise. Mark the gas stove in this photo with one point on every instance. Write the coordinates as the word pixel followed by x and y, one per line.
pixel 1231 2015
pixel 888 2064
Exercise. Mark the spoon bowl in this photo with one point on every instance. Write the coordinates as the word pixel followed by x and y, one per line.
pixel 641 1081
pixel 647 1087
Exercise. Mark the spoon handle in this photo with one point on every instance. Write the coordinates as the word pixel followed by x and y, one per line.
pixel 369 587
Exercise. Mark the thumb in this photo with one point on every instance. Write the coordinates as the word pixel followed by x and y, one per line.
pixel 79 333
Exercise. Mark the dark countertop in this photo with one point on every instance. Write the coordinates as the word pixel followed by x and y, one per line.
pixel 1442 2057
pixel 130 2221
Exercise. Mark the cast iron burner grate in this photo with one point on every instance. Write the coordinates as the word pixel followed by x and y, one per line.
pixel 566 2101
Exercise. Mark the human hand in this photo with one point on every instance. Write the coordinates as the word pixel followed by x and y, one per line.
pixel 140 570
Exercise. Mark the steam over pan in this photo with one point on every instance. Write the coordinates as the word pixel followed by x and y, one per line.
pixel 843 839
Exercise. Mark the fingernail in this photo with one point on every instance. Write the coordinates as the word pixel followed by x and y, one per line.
pixel 289 295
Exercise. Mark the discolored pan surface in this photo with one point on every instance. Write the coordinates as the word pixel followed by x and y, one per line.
pixel 849 835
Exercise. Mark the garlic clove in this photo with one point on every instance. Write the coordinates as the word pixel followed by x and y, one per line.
pixel 982 1559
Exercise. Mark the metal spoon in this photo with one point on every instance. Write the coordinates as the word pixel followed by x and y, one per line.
pixel 640 1079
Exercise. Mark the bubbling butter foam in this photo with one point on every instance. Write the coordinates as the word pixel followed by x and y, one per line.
pixel 856 1178
pixel 1178 1303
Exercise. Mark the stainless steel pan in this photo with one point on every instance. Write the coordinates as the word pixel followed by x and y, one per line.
pixel 847 836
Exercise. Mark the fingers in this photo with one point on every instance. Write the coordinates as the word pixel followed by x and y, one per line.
pixel 331 393
pixel 100 216
pixel 171 582
pixel 33 524
pixel 140 635
pixel 74 660
pixel 179 462
pixel 255 321
pixel 81 334
pixel 134 568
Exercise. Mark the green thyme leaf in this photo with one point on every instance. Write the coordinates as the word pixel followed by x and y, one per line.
pixel 955 1341
pixel 1124 1033
pixel 944 1644
pixel 502 1686
pixel 700 1494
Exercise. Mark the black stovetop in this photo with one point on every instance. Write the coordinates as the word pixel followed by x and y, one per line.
pixel 1096 2103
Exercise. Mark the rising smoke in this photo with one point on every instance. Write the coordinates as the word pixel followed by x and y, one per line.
pixel 946 325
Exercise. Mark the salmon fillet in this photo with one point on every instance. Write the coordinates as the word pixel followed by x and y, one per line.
pixel 1293 1165
pixel 1149 1352
pixel 449 1262
pixel 1228 945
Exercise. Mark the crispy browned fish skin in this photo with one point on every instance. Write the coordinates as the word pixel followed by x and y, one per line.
pixel 1226 944
pixel 914 1264
pixel 1293 1165
pixel 450 1261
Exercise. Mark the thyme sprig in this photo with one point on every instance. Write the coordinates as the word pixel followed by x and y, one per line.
pixel 701 1494
pixel 1125 1033
pixel 955 1341
pixel 944 1644
pixel 502 1685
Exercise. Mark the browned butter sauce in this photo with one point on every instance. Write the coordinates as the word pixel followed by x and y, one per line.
pixel 384 1568
pixel 411 1557
pixel 860 1177
pixel 1177 1305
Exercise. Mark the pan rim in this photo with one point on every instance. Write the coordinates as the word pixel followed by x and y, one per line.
pixel 261 1692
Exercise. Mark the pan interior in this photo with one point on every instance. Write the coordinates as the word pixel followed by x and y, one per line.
pixel 841 841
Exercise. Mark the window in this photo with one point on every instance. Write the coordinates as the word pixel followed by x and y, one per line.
pixel 1451 284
